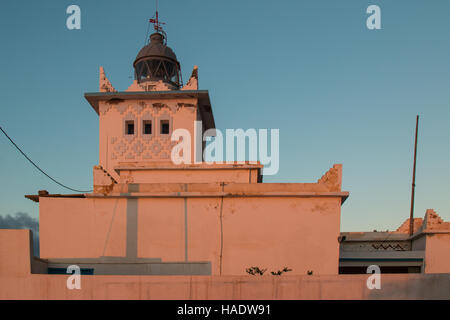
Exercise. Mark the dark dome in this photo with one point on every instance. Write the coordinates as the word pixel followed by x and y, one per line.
pixel 156 47
pixel 157 62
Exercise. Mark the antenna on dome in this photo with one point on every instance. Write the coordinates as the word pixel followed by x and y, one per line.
pixel 157 25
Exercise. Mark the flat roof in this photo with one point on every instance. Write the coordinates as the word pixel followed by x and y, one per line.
pixel 35 197
pixel 146 166
pixel 374 236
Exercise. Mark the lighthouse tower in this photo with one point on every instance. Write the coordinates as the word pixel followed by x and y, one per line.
pixel 148 214
pixel 136 125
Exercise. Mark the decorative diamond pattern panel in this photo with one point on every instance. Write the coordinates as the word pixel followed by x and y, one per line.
pixel 139 146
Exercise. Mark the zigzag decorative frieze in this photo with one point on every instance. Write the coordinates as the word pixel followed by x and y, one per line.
pixel 396 247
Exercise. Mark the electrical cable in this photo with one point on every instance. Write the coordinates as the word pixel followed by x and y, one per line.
pixel 37 167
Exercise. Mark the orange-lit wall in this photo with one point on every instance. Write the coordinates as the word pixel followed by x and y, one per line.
pixel 17 282
pixel 115 146
pixel 437 249
pixel 233 233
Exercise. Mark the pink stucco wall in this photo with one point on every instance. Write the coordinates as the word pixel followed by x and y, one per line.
pixel 232 225
pixel 115 146
pixel 15 252
pixel 235 233
pixel 437 249
pixel 331 287
pixel 80 228
pixel 18 282
pixel 193 174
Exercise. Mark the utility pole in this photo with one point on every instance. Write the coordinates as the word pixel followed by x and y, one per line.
pixel 411 215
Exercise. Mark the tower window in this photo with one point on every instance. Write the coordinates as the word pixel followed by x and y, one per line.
pixel 129 127
pixel 165 127
pixel 147 126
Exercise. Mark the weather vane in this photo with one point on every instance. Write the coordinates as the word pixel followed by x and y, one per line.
pixel 157 25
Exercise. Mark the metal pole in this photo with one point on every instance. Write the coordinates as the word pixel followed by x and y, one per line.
pixel 411 216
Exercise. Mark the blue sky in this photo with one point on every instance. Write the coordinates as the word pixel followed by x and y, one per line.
pixel 338 92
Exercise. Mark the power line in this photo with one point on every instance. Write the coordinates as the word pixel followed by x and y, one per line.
pixel 37 167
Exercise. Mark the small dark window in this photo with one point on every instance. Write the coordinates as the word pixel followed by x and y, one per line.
pixel 147 125
pixel 129 127
pixel 165 127
pixel 83 271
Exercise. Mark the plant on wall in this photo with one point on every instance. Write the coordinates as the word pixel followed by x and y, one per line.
pixel 280 272
pixel 257 271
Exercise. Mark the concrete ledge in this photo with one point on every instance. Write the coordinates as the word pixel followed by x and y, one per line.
pixel 141 268
pixel 346 287
pixel 105 260
pixel 200 166
pixel 342 195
